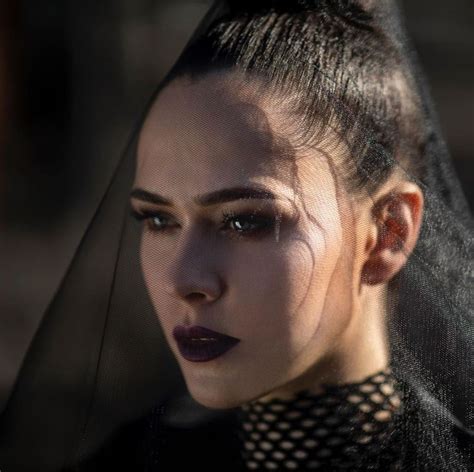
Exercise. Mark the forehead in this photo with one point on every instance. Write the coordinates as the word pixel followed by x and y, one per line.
pixel 214 132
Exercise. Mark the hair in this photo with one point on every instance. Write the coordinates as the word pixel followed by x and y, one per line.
pixel 341 66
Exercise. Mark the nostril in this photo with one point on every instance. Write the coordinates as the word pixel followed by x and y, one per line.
pixel 196 297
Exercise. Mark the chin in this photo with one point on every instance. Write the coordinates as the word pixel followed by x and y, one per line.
pixel 215 399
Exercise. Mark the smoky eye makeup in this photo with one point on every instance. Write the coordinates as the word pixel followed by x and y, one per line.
pixel 251 223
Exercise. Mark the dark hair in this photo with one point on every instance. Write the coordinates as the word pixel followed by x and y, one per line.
pixel 342 65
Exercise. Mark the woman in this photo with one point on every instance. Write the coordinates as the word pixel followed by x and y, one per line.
pixel 304 247
pixel 269 249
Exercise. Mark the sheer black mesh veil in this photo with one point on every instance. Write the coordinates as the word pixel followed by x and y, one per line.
pixel 99 359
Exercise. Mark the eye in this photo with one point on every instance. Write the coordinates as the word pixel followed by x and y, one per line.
pixel 240 225
pixel 155 221
pixel 247 224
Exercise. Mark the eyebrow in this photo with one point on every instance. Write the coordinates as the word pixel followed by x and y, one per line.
pixel 213 198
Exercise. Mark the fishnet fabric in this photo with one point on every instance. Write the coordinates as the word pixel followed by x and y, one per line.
pixel 353 426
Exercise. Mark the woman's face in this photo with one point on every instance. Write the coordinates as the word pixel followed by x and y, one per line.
pixel 281 283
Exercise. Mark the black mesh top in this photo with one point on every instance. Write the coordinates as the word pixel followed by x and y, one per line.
pixel 345 427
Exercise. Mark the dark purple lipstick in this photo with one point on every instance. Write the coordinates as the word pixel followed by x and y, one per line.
pixel 199 344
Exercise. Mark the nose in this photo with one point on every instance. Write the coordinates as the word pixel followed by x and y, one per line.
pixel 196 287
pixel 193 278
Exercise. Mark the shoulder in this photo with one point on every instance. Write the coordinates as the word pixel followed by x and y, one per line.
pixel 434 439
pixel 186 434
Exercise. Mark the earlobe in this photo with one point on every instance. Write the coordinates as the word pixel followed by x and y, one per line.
pixel 396 224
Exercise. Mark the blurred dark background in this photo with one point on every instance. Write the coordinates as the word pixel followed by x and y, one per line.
pixel 74 78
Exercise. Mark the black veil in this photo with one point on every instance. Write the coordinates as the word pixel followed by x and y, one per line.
pixel 99 364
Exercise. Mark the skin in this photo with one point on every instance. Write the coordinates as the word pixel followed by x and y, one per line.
pixel 307 296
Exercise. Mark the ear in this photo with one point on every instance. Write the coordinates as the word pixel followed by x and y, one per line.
pixel 395 226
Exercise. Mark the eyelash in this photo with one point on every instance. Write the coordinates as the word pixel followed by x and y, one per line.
pixel 264 223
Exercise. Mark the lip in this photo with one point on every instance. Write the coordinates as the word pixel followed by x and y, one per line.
pixel 199 344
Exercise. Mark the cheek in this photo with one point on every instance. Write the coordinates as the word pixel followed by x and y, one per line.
pixel 315 264
pixel 154 260
pixel 321 268
pixel 281 294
